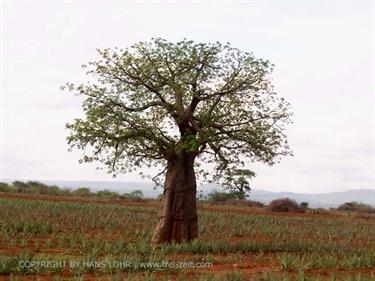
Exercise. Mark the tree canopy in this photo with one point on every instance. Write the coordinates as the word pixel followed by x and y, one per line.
pixel 146 102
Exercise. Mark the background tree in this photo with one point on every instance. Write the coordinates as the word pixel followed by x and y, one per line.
pixel 179 105
pixel 237 181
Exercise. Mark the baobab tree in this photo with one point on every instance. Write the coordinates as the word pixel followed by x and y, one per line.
pixel 178 106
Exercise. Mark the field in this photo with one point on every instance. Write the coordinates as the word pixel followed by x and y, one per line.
pixel 67 238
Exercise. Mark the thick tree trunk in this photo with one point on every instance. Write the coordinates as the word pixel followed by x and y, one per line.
pixel 177 220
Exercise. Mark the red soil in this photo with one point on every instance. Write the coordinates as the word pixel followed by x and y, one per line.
pixel 248 268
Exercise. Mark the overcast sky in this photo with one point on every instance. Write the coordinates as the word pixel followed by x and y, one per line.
pixel 324 65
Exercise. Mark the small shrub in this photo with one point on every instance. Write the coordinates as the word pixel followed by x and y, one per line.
pixel 55 190
pixel 253 204
pixel 217 196
pixel 245 203
pixel 288 261
pixel 356 207
pixel 20 186
pixel 304 205
pixel 107 194
pixel 6 265
pixel 285 205
pixel 37 187
pixel 82 191
pixel 66 192
pixel 4 187
pixel 134 195
pixel 318 211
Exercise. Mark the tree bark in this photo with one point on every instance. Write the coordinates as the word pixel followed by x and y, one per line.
pixel 177 219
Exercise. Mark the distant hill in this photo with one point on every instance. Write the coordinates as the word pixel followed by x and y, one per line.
pixel 324 200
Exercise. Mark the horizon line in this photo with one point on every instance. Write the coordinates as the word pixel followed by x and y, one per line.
pixel 150 182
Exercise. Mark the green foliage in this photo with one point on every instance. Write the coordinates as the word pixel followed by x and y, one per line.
pixel 234 196
pixel 36 187
pixel 6 265
pixel 82 191
pixel 304 205
pixel 107 194
pixel 156 99
pixel 287 261
pixel 356 207
pixel 237 180
pixel 217 196
pixel 4 187
pixel 32 187
pixel 134 195
pixel 20 186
